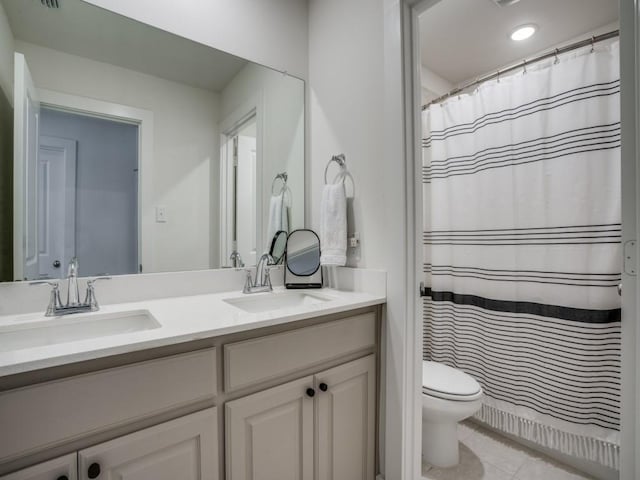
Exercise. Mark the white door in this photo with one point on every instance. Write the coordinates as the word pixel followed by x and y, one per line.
pixel 269 435
pixel 185 449
pixel 62 468
pixel 246 197
pixel 57 205
pixel 26 111
pixel 346 411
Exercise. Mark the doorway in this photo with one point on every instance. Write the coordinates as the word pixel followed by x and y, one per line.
pixel 462 240
pixel 87 194
pixel 239 180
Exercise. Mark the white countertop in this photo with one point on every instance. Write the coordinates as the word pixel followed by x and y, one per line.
pixel 182 319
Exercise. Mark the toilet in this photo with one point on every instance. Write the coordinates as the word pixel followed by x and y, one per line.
pixel 448 396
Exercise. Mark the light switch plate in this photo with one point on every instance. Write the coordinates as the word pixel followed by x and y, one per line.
pixel 161 214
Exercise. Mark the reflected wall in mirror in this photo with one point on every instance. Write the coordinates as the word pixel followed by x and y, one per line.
pixel 137 150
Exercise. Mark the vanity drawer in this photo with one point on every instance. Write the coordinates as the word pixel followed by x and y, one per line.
pixel 265 358
pixel 39 416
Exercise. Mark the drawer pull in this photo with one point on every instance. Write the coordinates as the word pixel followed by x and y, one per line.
pixel 94 470
pixel 310 392
pixel 324 387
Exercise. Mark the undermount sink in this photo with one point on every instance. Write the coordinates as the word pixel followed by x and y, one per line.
pixel 265 302
pixel 73 328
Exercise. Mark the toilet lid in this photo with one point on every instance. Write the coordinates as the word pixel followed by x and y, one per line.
pixel 446 382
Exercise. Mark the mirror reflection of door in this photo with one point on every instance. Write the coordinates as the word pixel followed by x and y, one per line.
pixel 25 217
pixel 241 182
pixel 88 197
pixel 56 206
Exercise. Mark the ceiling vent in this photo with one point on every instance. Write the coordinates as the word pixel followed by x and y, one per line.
pixel 505 3
pixel 50 3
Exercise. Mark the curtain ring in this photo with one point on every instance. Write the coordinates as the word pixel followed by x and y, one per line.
pixel 498 76
pixel 593 41
pixel 557 60
pixel 524 67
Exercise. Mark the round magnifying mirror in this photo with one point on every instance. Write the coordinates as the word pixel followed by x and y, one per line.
pixel 303 253
pixel 278 246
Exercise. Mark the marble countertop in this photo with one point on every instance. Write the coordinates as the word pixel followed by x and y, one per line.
pixel 181 319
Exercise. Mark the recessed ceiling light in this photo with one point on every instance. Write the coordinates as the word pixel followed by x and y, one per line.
pixel 523 32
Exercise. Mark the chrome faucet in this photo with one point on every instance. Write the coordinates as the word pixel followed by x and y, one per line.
pixel 236 259
pixel 73 305
pixel 73 294
pixel 262 282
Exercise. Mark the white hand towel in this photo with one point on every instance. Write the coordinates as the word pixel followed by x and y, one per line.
pixel 333 225
pixel 275 219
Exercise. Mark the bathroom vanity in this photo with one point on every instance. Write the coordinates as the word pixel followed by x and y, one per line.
pixel 225 386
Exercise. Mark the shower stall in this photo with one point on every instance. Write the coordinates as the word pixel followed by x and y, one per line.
pixel 522 245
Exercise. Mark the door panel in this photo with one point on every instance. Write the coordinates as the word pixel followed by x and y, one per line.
pixel 269 435
pixel 25 169
pixel 185 448
pixel 56 469
pixel 57 205
pixel 346 421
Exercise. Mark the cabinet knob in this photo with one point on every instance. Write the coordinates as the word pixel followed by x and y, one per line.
pixel 62 477
pixel 323 386
pixel 310 392
pixel 94 470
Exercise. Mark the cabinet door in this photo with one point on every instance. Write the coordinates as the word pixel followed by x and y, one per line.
pixel 62 468
pixel 185 449
pixel 269 435
pixel 346 411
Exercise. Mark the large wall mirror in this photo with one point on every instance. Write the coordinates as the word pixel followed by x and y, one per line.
pixel 136 150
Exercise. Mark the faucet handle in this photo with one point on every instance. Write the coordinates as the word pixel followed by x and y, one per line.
pixel 53 283
pixel 91 281
pixel 248 283
pixel 90 297
pixel 54 298
pixel 267 278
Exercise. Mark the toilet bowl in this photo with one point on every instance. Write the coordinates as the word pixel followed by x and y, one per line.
pixel 448 396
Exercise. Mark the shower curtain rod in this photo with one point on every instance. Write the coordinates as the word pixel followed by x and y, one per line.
pixel 553 53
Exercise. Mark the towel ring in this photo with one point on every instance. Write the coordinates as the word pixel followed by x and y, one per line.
pixel 343 173
pixel 282 176
pixel 340 160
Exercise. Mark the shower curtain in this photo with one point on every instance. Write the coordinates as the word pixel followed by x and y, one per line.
pixel 522 249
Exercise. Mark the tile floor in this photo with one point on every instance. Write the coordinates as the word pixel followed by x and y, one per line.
pixel 485 455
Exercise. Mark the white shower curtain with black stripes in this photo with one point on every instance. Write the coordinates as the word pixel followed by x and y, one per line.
pixel 522 249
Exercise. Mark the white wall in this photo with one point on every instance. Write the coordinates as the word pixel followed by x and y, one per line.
pixel 433 85
pixel 185 162
pixel 282 101
pixel 272 33
pixel 354 97
pixel 6 55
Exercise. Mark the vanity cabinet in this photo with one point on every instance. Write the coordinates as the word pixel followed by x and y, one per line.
pixel 185 448
pixel 281 402
pixel 326 419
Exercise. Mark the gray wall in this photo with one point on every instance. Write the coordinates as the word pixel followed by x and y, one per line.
pixel 6 189
pixel 106 190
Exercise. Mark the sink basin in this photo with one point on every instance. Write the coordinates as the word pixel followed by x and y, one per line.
pixel 265 302
pixel 73 328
